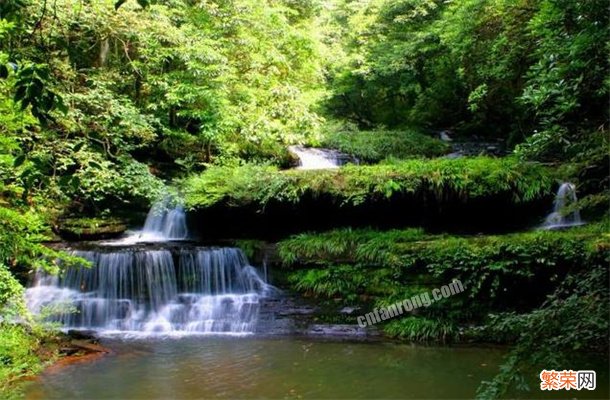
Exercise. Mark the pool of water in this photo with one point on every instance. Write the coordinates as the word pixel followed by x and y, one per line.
pixel 282 368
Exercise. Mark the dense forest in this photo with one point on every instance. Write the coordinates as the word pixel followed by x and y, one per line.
pixel 107 106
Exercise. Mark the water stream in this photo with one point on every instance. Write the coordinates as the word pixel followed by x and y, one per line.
pixel 315 158
pixel 143 292
pixel 164 223
pixel 566 196
pixel 140 298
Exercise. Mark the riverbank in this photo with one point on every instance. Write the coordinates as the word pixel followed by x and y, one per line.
pixel 27 352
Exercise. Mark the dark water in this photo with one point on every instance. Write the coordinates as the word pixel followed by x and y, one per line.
pixel 218 367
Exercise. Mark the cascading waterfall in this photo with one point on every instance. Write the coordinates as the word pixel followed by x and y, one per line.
pixel 312 158
pixel 196 290
pixel 566 196
pixel 165 223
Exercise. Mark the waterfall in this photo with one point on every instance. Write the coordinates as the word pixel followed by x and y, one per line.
pixel 165 223
pixel 566 196
pixel 312 158
pixel 144 292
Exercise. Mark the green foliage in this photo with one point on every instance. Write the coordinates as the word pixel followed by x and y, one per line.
pixel 344 244
pixel 11 295
pixel 250 247
pixel 418 329
pixel 22 245
pixel 443 179
pixel 544 291
pixel 533 69
pixel 376 145
pixel 113 88
pixel 398 264
pixel 18 356
pixel 573 319
pixel 342 281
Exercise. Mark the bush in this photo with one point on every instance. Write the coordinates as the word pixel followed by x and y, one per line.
pixel 376 145
pixel 22 235
pixel 17 354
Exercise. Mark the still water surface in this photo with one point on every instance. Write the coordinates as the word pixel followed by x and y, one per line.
pixel 286 368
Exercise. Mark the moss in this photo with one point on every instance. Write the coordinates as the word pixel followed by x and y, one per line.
pixel 90 228
pixel 501 273
pixel 440 180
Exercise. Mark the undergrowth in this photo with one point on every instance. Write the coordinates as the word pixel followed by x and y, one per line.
pixel 442 180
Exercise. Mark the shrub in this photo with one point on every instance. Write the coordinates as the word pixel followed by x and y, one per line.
pixel 17 354
pixel 376 145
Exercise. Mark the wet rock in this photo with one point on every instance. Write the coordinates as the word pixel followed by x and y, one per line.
pixel 90 228
pixel 444 136
pixel 88 346
pixel 68 351
pixel 454 155
pixel 340 330
pixel 476 147
pixel 348 310
pixel 82 335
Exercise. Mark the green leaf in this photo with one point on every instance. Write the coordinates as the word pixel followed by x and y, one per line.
pixel 19 160
pixel 78 147
pixel 119 4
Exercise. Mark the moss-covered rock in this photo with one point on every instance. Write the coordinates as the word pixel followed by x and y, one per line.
pixel 90 228
pixel 475 193
pixel 512 273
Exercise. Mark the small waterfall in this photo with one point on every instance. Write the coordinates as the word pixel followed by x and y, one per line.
pixel 566 196
pixel 312 158
pixel 197 290
pixel 162 224
pixel 165 223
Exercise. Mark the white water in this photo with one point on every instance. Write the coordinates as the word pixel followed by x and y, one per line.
pixel 165 223
pixel 162 224
pixel 312 158
pixel 143 292
pixel 566 196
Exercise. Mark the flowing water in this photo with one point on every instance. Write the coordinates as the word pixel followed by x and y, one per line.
pixel 163 223
pixel 566 196
pixel 314 158
pixel 140 299
pixel 166 223
pixel 141 292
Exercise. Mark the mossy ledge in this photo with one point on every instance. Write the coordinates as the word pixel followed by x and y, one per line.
pixel 90 228
pixel 510 274
pixel 477 193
